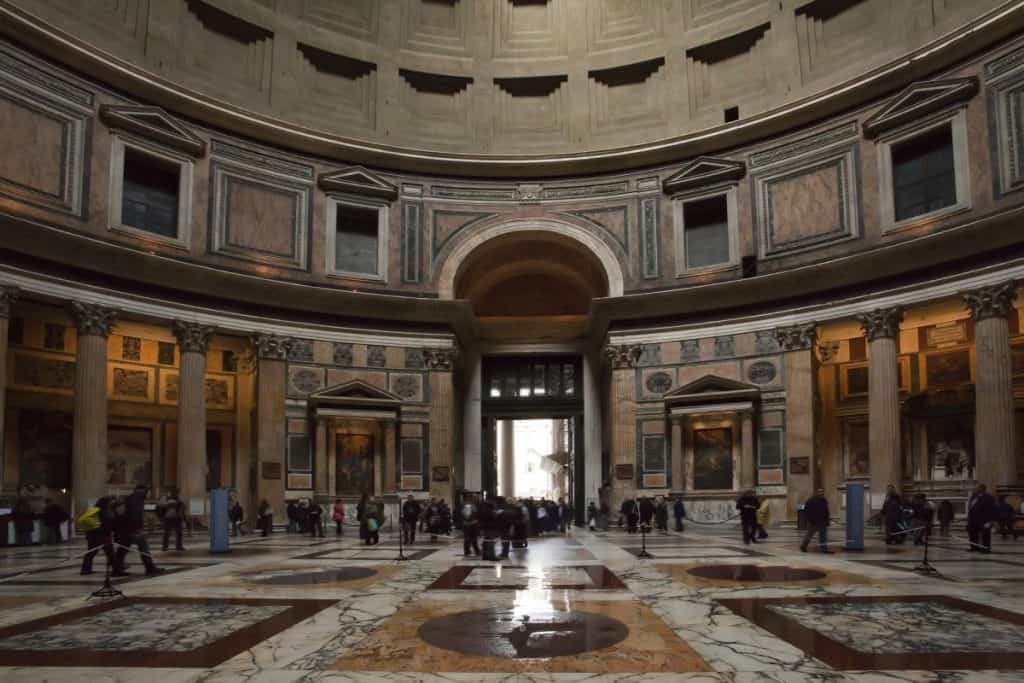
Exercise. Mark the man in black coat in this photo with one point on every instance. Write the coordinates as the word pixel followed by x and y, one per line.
pixel 817 515
pixel 411 512
pixel 129 529
pixel 747 504
pixel 679 512
pixel 646 512
pixel 981 515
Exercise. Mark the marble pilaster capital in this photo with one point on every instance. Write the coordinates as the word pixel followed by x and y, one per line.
pixel 440 359
pixel 623 356
pixel 797 337
pixel 271 346
pixel 192 337
pixel 7 297
pixel 93 318
pixel 994 301
pixel 881 323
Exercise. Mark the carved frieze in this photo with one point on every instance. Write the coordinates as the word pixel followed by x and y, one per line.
pixel 192 337
pixel 881 323
pixel 796 337
pixel 271 346
pixel 440 359
pixel 994 301
pixel 623 356
pixel 93 318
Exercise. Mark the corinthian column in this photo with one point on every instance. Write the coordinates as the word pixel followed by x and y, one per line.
pixel 193 340
pixel 7 297
pixel 271 425
pixel 881 327
pixel 994 426
pixel 89 444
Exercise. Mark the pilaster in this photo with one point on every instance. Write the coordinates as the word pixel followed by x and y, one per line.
pixel 193 341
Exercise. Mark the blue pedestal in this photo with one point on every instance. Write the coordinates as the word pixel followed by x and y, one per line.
pixel 855 516
pixel 219 521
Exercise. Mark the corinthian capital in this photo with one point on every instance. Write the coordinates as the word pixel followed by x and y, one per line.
pixel 7 297
pixel 994 301
pixel 623 356
pixel 797 337
pixel 271 346
pixel 440 359
pixel 881 323
pixel 192 337
pixel 93 318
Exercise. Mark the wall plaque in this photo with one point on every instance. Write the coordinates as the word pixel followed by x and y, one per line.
pixel 624 472
pixel 799 465
pixel 761 372
pixel 440 473
pixel 271 470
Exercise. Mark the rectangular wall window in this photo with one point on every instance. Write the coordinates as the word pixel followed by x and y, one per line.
pixel 149 197
pixel 706 224
pixel 924 173
pixel 356 243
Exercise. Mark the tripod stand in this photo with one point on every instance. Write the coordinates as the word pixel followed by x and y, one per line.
pixel 401 537
pixel 107 590
pixel 643 542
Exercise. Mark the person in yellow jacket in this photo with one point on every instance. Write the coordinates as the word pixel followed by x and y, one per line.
pixel 763 517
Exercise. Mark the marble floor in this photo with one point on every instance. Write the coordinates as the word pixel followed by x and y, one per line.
pixel 584 607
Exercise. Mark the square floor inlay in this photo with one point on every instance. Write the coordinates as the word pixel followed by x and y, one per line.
pixel 901 632
pixel 151 632
pixel 517 577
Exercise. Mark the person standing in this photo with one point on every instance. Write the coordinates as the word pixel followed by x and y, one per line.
pixel 266 518
pixel 817 515
pixel 646 511
pixel 410 517
pixel 98 525
pixel 132 530
pixel 1005 513
pixel 53 516
pixel 315 519
pixel 374 517
pixel 892 515
pixel 236 514
pixel 338 516
pixel 747 505
pixel 291 511
pixel 24 522
pixel 946 514
pixel 470 528
pixel 764 513
pixel 661 515
pixel 679 512
pixel 172 513
pixel 981 515
pixel 591 515
pixel 563 515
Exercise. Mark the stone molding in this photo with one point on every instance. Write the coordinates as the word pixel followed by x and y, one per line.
pixel 271 346
pixel 797 337
pixel 623 356
pixel 93 318
pixel 442 360
pixel 8 295
pixel 994 301
pixel 192 337
pixel 881 323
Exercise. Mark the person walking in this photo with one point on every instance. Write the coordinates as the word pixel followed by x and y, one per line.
pixel 747 505
pixel 315 519
pixel 172 512
pixel 236 514
pixel 361 517
pixel 817 515
pixel 410 517
pixel 129 529
pixel 679 512
pixel 53 516
pixel 981 515
pixel 892 515
pixel 1005 513
pixel 946 514
pixel 470 528
pixel 591 515
pixel 646 509
pixel 97 523
pixel 563 515
pixel 338 516
pixel 266 518
pixel 661 515
pixel 764 514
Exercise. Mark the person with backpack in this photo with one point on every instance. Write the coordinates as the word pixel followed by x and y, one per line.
pixel 172 514
pixel 374 517
pixel 97 523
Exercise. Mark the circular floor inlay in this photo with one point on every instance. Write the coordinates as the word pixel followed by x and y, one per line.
pixel 315 577
pixel 507 632
pixel 752 572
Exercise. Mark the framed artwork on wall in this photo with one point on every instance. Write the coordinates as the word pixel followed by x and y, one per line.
pixel 44 445
pixel 855 448
pixel 853 378
pixel 712 459
pixel 354 453
pixel 946 369
pixel 129 456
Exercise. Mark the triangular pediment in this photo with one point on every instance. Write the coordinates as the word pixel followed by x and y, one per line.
pixel 358 181
pixel 920 99
pixel 702 172
pixel 354 392
pixel 711 384
pixel 155 124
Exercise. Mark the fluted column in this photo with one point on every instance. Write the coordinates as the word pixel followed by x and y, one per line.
pixel 678 482
pixel 193 341
pixel 749 462
pixel 881 327
pixel 593 435
pixel 507 457
pixel 271 426
pixel 89 443
pixel 994 425
pixel 390 457
pixel 7 297
pixel 623 360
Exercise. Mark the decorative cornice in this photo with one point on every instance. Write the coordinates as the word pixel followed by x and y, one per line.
pixel 918 100
pixel 155 124
pixel 703 172
pixel 271 346
pixel 797 337
pixel 7 297
pixel 358 181
pixel 623 356
pixel 442 360
pixel 93 318
pixel 994 301
pixel 881 323
pixel 192 337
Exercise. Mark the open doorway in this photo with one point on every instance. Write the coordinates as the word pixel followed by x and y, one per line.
pixel 535 458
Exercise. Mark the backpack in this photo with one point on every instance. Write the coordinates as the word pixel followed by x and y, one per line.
pixel 371 524
pixel 89 520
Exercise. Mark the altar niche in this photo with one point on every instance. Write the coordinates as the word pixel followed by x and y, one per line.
pixel 713 449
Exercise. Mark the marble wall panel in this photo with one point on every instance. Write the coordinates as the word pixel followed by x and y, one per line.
pixel 806 206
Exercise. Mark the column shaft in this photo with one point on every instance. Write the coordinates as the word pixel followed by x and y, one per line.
pixel 442 430
pixel 507 457
pixel 678 483
pixel 994 429
pixel 472 475
pixel 390 457
pixel 322 486
pixel 748 459
pixel 883 418
pixel 192 427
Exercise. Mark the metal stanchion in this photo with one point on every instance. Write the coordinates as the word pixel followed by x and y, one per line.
pixel 107 590
pixel 643 541
pixel 925 567
pixel 401 537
